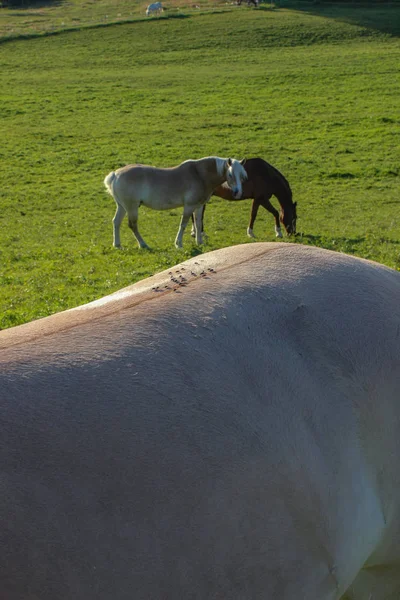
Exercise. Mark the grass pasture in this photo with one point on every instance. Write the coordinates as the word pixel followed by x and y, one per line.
pixel 314 90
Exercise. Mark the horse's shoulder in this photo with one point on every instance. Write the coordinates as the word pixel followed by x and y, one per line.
pixel 201 169
pixel 190 167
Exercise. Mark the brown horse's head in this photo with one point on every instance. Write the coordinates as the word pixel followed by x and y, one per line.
pixel 288 218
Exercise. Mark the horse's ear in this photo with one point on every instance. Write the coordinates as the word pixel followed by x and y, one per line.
pixel 230 162
pixel 243 161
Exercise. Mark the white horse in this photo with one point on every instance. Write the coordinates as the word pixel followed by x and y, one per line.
pixel 237 438
pixel 155 7
pixel 190 185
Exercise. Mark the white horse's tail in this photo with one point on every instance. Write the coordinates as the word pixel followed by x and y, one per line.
pixel 108 182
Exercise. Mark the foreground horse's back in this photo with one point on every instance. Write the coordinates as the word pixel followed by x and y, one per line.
pixel 226 429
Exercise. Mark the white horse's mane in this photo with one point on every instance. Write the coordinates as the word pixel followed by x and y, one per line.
pixel 220 162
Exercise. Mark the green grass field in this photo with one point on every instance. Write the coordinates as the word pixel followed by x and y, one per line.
pixel 312 89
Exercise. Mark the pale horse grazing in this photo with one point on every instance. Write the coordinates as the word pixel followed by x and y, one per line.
pixel 190 185
pixel 227 429
pixel 154 8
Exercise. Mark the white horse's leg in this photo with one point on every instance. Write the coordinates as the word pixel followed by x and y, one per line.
pixel 117 220
pixel 198 224
pixel 187 212
pixel 133 220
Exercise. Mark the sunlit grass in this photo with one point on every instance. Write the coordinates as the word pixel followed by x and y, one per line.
pixel 314 95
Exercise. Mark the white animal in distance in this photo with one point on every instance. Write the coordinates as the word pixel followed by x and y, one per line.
pixel 154 8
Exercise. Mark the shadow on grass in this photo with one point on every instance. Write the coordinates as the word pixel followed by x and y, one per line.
pixel 196 250
pixel 375 16
pixel 81 27
pixel 336 243
pixel 318 239
pixel 29 4
pixel 172 15
pixel 343 244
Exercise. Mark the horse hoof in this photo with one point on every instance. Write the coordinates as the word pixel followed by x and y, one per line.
pixel 250 233
pixel 278 234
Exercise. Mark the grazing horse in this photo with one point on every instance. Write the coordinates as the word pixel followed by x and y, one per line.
pixel 229 428
pixel 264 181
pixel 155 7
pixel 190 185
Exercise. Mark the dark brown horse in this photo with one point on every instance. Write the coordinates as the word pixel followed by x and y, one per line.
pixel 264 181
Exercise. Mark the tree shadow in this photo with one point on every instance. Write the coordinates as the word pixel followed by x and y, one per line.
pixel 316 240
pixel 336 243
pixel 343 244
pixel 383 17
pixel 30 4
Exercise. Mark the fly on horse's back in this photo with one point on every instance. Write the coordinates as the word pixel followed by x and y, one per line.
pixel 263 182
pixel 189 184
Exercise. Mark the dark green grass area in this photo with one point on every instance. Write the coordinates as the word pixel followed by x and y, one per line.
pixel 315 95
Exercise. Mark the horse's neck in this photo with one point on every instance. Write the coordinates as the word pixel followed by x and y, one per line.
pixel 283 193
pixel 213 170
pixel 223 191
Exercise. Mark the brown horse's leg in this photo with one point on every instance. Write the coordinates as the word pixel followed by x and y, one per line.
pixel 268 206
pixel 193 230
pixel 254 210
pixel 187 214
pixel 198 222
